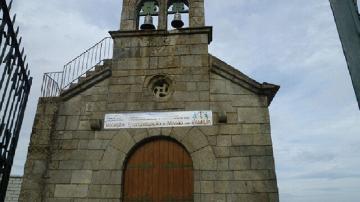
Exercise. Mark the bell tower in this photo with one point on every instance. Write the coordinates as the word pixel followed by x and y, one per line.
pixel 132 10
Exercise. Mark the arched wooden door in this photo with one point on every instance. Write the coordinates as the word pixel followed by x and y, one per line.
pixel 159 171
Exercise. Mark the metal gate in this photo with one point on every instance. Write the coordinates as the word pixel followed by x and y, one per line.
pixel 15 84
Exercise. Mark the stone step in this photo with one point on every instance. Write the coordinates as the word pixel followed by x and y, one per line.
pixel 83 78
pixel 90 73
pixel 72 85
pixel 99 68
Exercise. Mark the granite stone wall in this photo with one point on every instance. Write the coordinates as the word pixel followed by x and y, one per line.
pixel 13 190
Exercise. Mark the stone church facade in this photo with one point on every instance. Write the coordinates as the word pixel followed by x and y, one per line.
pixel 73 158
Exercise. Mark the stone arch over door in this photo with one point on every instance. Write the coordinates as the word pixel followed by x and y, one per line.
pixel 158 169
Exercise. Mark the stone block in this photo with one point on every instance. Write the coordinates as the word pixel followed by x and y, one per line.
pixel 239 163
pixel 39 167
pixel 204 96
pixel 153 132
pixel 222 164
pixel 252 128
pixel 251 151
pixel 224 140
pixel 203 86
pixel 213 197
pixel 265 186
pixel 197 175
pixel 138 134
pixel 230 129
pixel 72 122
pixel 222 187
pixel 235 89
pixel 98 144
pixel 59 176
pixel 95 106
pixel 222 107
pixel 40 137
pixel 197 187
pixel 191 86
pixel 199 49
pixel 241 140
pixel 87 154
pixel 132 63
pixel 105 135
pixel 111 191
pixel 44 122
pixel 208 175
pixel 255 197
pixel 262 139
pixel 194 140
pixel 262 162
pixel 179 132
pixel 204 159
pixel 168 62
pixel 71 191
pixel 81 177
pixel 232 117
pixel 84 125
pixel 212 140
pixel 252 175
pixel 122 141
pixel 166 131
pixel 112 159
pixel 225 175
pixel 60 122
pixel 107 177
pixel 105 191
pixel 248 101
pixel 207 187
pixel 71 107
pixel 210 130
pixel 217 86
pixel 241 187
pixel 69 144
pixel 83 135
pixel 115 89
pixel 62 155
pixel 186 96
pixel 220 97
pixel 192 61
pixel 253 115
pixel 70 164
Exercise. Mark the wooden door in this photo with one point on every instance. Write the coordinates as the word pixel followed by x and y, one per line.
pixel 159 171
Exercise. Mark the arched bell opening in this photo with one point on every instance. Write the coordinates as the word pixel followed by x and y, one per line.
pixel 178 14
pixel 148 15
pixel 158 169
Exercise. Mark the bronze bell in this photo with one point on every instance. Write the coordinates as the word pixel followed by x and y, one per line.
pixel 148 23
pixel 177 22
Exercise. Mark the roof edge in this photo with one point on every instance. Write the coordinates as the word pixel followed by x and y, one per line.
pixel 227 71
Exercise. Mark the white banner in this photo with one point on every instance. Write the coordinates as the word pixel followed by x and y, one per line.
pixel 158 119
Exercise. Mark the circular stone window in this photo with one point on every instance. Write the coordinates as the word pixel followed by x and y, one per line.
pixel 160 87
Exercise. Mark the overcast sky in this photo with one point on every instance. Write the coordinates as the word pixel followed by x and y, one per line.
pixel 315 119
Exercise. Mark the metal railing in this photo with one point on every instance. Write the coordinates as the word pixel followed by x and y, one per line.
pixel 56 82
pixel 15 84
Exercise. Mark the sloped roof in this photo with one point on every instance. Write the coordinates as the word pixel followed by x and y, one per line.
pixel 220 68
